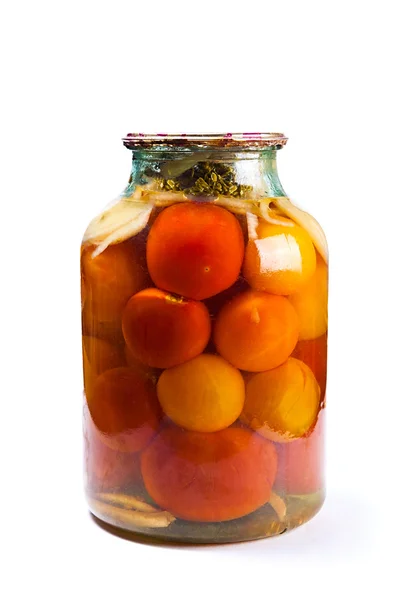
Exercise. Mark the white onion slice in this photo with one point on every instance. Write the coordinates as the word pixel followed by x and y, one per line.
pixel 278 504
pixel 121 221
pixel 266 213
pixel 252 224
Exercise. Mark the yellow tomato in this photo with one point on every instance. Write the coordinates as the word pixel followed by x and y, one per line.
pixel 282 404
pixel 203 394
pixel 311 304
pixel 280 259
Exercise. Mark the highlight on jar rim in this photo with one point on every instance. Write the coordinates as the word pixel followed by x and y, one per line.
pixel 204 342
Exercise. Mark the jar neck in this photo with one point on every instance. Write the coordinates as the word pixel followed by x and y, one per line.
pixel 208 172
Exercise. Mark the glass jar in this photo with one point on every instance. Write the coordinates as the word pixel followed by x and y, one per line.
pixel 204 316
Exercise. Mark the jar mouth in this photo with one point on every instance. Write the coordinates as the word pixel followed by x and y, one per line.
pixel 242 141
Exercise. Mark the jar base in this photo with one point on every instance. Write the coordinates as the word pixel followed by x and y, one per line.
pixel 260 524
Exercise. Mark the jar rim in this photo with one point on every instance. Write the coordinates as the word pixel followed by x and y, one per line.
pixel 244 141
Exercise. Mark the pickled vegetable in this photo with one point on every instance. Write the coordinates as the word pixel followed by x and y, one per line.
pixel 311 304
pixel 307 222
pixel 280 260
pixel 204 394
pixel 108 281
pixel 282 404
pixel 209 476
pixel 120 222
pixel 124 409
pixel 256 331
pixel 195 250
pixel 162 330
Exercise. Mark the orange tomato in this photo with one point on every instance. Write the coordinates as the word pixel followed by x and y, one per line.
pixel 195 250
pixel 256 331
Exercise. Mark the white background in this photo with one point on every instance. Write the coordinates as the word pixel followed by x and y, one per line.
pixel 78 75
